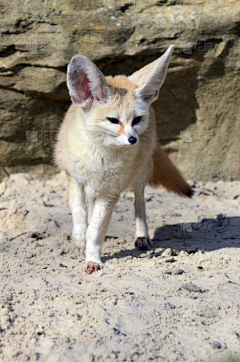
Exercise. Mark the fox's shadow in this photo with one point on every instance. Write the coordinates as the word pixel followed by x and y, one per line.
pixel 207 235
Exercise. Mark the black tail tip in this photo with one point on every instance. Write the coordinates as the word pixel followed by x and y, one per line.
pixel 190 192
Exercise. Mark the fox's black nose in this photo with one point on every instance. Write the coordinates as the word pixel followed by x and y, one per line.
pixel 132 140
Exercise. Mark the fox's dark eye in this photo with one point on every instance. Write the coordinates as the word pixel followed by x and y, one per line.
pixel 136 120
pixel 114 120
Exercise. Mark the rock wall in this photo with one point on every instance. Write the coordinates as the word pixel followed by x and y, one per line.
pixel 198 111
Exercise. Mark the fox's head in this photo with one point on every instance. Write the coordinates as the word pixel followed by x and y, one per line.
pixel 115 109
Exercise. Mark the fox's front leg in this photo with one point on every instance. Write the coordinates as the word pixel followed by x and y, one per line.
pixel 97 229
pixel 79 213
pixel 142 240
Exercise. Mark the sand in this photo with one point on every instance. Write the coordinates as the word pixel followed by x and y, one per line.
pixel 179 301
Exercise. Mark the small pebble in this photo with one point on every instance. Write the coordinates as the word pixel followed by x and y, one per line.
pixel 169 305
pixel 192 288
pixel 191 249
pixel 169 260
pixel 158 253
pixel 207 312
pixel 167 272
pixel 167 252
pixel 177 271
pixel 175 252
pixel 216 345
pixel 183 253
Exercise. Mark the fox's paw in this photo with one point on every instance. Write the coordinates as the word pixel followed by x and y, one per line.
pixel 79 240
pixel 93 266
pixel 143 243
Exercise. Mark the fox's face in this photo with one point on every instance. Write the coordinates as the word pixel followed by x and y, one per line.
pixel 122 119
pixel 115 109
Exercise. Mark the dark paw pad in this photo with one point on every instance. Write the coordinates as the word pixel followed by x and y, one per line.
pixel 143 243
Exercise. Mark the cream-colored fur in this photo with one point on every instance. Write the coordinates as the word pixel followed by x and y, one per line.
pixel 100 156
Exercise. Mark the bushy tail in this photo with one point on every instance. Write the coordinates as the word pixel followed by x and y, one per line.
pixel 166 174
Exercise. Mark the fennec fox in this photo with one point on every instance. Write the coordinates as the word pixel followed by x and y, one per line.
pixel 108 142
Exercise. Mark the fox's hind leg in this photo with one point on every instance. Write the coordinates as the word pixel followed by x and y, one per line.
pixel 79 213
pixel 141 240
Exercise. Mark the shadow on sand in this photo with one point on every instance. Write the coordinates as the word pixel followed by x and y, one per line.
pixel 207 235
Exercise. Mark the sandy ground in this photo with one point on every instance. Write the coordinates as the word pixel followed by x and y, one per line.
pixel 177 302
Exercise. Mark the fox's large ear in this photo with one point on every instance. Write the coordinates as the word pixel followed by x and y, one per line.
pixel 151 77
pixel 86 82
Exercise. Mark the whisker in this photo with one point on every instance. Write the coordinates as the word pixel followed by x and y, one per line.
pixel 102 131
